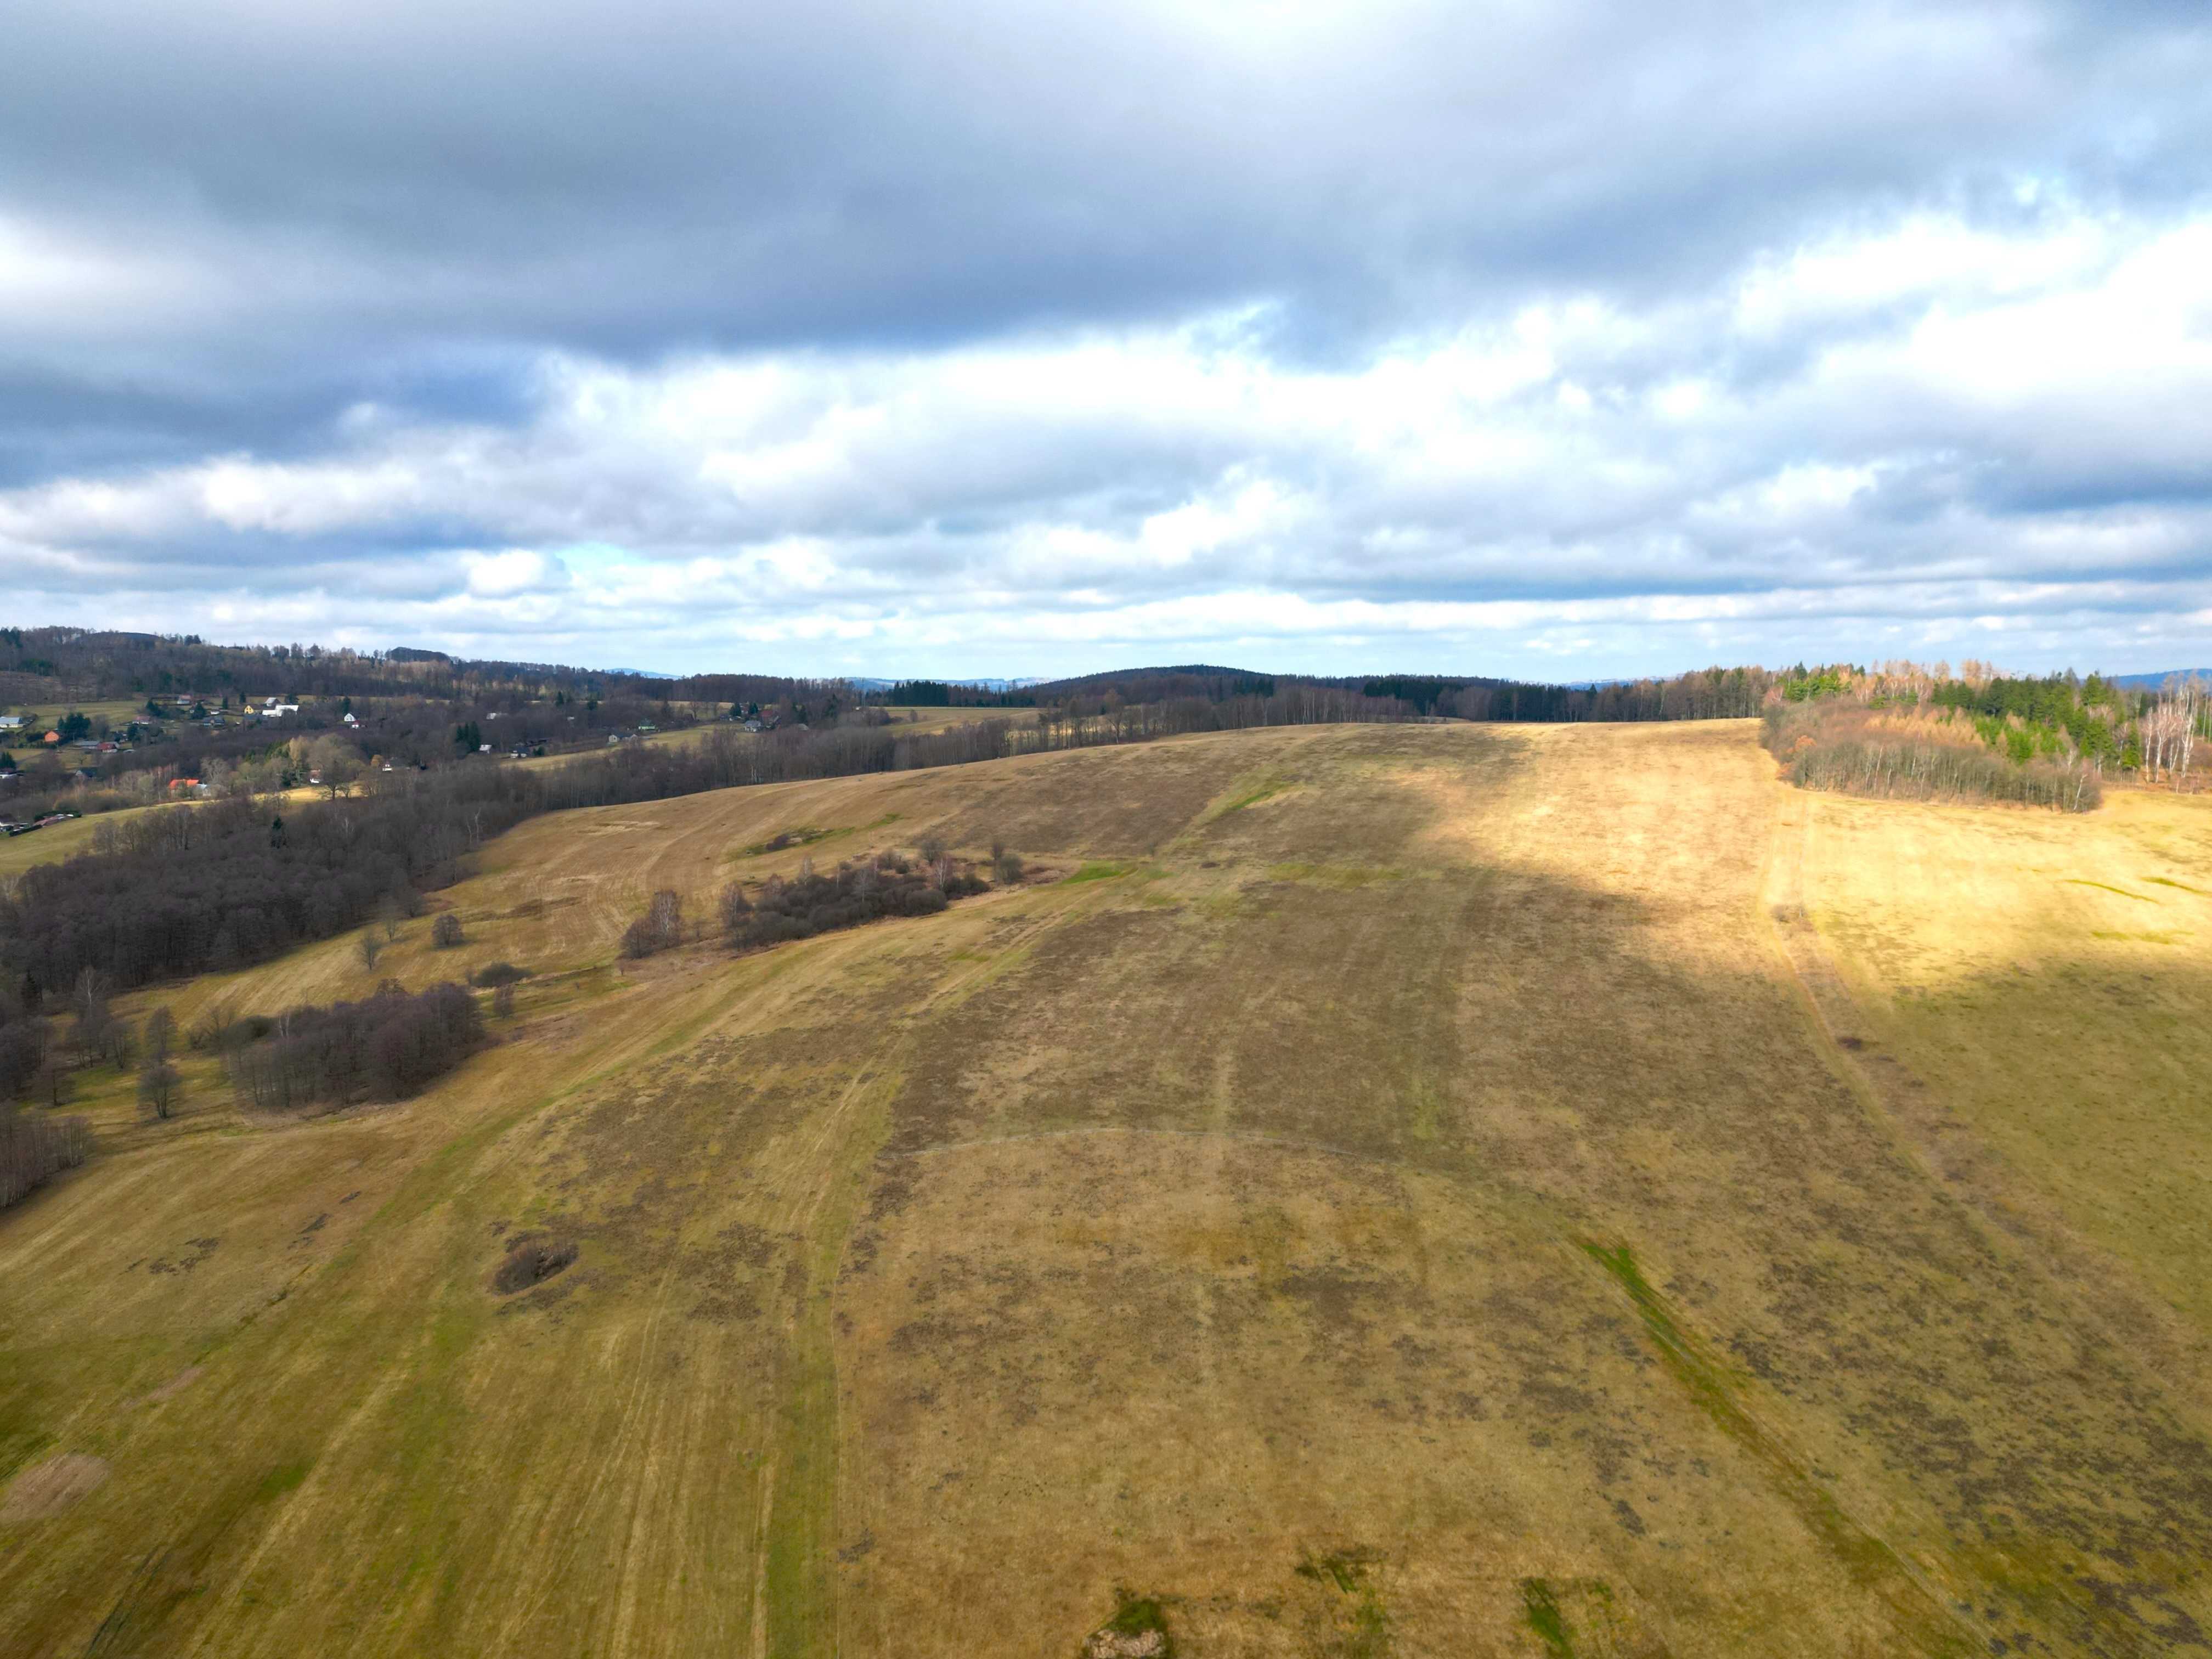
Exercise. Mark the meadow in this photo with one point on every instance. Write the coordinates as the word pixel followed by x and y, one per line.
pixel 1415 1189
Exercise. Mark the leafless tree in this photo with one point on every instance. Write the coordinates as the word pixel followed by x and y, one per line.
pixel 88 1001
pixel 54 1084
pixel 370 946
pixel 502 1001
pixel 161 1035
pixel 160 1090
pixel 446 931
pixel 659 927
pixel 733 907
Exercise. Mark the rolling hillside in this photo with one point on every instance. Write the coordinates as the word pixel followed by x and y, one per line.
pixel 1373 1189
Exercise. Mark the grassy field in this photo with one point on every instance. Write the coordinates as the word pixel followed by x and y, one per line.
pixel 1433 1190
pixel 52 844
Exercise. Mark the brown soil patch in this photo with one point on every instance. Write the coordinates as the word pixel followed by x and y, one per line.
pixel 532 1264
pixel 175 1386
pixel 50 1487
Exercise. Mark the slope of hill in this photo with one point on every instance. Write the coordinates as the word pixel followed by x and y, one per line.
pixel 1421 1189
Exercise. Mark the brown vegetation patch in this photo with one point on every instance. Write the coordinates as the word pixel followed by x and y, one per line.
pixel 175 1386
pixel 532 1264
pixel 48 1488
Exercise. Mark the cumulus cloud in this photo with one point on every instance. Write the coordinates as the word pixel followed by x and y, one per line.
pixel 1567 339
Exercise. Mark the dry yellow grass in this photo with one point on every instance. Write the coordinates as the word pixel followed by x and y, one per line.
pixel 1393 1190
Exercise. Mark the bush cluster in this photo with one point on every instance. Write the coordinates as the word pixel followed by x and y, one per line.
pixel 659 928
pixel 386 1048
pixel 862 891
pixel 1844 748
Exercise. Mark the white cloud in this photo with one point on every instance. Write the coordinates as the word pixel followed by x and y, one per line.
pixel 1960 441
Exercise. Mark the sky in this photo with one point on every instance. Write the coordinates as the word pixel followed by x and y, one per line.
pixel 1558 341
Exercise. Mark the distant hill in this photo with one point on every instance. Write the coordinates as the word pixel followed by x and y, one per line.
pixel 2156 682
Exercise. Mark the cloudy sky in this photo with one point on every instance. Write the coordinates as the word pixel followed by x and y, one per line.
pixel 1552 339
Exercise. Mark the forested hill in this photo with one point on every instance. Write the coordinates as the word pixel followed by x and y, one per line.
pixel 40 667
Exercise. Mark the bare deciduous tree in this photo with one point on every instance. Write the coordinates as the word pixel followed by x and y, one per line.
pixel 446 931
pixel 370 946
pixel 89 1002
pixel 161 1035
pixel 733 907
pixel 160 1090
pixel 659 927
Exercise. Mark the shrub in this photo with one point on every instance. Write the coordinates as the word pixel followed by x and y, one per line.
pixel 530 1263
pixel 445 932
pixel 161 1089
pixel 161 1035
pixel 494 975
pixel 860 892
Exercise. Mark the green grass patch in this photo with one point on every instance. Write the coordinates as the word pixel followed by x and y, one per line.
pixel 1344 876
pixel 804 836
pixel 2140 898
pixel 1363 1623
pixel 1253 796
pixel 1096 872
pixel 1140 1615
pixel 807 835
pixel 2183 886
pixel 1867 1558
pixel 1541 1608
pixel 285 1477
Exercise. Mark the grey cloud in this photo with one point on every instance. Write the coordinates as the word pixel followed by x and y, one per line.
pixel 386 243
